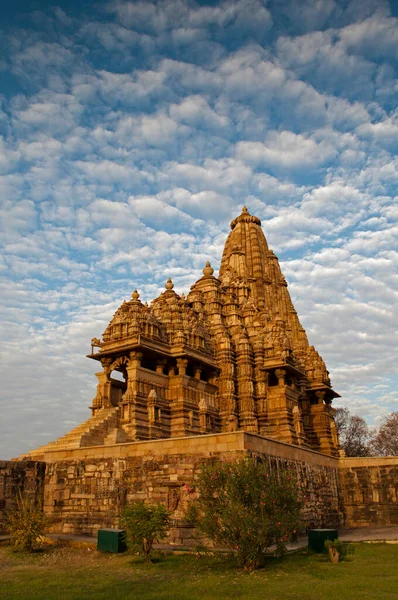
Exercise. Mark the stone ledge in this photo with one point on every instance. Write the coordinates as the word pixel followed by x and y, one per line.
pixel 368 461
pixel 191 445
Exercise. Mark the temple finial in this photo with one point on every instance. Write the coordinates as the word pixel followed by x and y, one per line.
pixel 169 284
pixel 135 295
pixel 208 270
pixel 244 209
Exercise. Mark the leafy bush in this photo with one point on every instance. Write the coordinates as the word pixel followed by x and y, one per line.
pixel 25 523
pixel 145 524
pixel 245 506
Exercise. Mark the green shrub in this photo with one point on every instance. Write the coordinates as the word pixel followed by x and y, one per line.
pixel 338 547
pixel 246 507
pixel 145 524
pixel 25 523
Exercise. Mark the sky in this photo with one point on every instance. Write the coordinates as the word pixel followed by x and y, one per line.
pixel 131 133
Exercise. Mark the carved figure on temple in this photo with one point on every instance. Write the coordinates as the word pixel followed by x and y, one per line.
pixel 232 423
pixel 95 343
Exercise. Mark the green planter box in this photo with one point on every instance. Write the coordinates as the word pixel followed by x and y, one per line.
pixel 111 540
pixel 318 537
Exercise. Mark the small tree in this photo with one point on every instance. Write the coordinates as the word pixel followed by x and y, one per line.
pixel 353 433
pixel 25 523
pixel 385 442
pixel 145 524
pixel 341 419
pixel 245 506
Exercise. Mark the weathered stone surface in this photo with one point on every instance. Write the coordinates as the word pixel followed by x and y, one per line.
pixel 78 499
pixel 369 491
pixel 83 493
pixel 26 477
pixel 154 481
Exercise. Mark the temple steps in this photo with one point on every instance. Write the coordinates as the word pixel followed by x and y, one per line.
pixel 97 435
pixel 93 432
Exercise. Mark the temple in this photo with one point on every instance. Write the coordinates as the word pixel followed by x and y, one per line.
pixel 230 356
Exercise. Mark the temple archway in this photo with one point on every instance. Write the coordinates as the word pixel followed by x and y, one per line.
pixel 118 381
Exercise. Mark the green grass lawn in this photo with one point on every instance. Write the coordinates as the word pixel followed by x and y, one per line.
pixel 76 574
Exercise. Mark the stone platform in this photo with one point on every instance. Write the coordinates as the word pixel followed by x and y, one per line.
pixel 84 489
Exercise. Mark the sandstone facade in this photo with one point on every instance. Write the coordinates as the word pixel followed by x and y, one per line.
pixel 369 490
pixel 85 489
pixel 231 356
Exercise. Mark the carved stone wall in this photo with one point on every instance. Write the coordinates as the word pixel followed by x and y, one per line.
pixel 82 496
pixel 25 476
pixel 85 489
pixel 369 491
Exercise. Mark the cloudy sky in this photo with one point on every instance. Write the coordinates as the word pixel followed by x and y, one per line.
pixel 131 133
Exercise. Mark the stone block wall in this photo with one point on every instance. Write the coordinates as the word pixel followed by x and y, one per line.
pixel 25 476
pixel 85 490
pixel 369 491
pixel 82 496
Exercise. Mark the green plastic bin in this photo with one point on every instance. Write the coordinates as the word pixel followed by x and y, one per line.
pixel 111 540
pixel 318 537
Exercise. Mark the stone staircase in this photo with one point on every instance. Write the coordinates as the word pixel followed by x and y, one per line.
pixel 100 429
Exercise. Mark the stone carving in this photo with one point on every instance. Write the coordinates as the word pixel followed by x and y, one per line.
pixel 95 343
pixel 232 423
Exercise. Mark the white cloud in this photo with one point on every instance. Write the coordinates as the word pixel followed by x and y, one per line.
pixel 286 149
pixel 384 132
pixel 194 110
pixel 8 158
pixel 106 171
pixel 129 142
pixel 17 216
pixel 213 174
pixel 376 37
pixel 151 17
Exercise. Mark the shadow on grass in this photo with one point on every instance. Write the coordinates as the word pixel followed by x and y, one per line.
pixel 155 558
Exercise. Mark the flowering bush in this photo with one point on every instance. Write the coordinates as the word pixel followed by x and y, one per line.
pixel 145 524
pixel 247 507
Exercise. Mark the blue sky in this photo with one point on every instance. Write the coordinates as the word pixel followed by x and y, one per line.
pixel 132 133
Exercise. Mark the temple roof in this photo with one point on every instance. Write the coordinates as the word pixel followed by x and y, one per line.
pixel 249 300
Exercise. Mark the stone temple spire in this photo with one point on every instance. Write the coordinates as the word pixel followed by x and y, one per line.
pixel 246 256
pixel 252 270
pixel 248 262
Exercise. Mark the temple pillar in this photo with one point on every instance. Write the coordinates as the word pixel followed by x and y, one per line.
pixel 244 376
pixel 134 405
pixel 103 395
pixel 183 407
pixel 154 408
pixel 322 414
pixel 182 364
pixel 281 400
pixel 226 382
